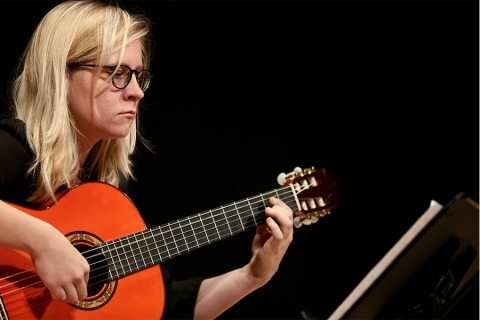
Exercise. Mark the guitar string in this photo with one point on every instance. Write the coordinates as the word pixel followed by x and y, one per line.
pixel 253 203
pixel 48 298
pixel 175 229
pixel 171 230
pixel 140 254
pixel 9 299
pixel 193 230
pixel 146 265
pixel 209 215
pixel 178 251
pixel 173 236
pixel 39 289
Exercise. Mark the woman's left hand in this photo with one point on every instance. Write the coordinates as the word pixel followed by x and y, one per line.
pixel 271 241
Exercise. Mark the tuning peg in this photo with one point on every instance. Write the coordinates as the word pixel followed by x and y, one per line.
pixel 297 222
pixel 281 179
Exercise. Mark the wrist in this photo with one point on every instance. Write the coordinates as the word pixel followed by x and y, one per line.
pixel 21 231
pixel 35 241
pixel 253 277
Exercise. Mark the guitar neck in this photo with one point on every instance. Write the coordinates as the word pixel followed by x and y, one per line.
pixel 143 249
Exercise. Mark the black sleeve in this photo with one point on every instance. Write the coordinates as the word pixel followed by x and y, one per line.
pixel 15 157
pixel 180 296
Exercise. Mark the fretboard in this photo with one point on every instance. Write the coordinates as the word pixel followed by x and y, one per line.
pixel 143 249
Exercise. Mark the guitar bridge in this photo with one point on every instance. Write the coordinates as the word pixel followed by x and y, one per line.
pixel 3 311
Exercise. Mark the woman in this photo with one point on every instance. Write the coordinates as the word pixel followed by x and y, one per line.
pixel 75 104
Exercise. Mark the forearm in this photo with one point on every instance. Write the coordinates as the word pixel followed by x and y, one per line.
pixel 269 246
pixel 19 230
pixel 219 293
pixel 62 269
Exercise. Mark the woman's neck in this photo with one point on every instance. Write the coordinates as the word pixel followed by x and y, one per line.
pixel 84 148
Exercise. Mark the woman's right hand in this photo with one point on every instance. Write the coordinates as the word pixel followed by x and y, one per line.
pixel 63 270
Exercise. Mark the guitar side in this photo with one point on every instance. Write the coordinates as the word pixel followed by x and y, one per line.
pixel 87 214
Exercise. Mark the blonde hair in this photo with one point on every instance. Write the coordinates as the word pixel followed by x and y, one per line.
pixel 73 31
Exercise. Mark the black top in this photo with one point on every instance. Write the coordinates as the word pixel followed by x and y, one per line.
pixel 16 186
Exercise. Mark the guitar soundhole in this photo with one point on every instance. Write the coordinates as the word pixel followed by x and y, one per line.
pixel 98 268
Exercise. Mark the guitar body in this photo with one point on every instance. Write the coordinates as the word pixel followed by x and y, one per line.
pixel 87 214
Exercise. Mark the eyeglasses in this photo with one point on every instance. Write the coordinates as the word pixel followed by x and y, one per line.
pixel 123 75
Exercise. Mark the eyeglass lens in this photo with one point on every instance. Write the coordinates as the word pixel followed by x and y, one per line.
pixel 123 76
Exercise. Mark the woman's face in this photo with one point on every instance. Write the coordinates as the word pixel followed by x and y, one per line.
pixel 115 108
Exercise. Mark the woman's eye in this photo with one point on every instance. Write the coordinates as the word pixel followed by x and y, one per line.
pixel 119 73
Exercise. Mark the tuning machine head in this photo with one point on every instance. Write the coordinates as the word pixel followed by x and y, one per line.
pixel 283 177
pixel 287 178
pixel 309 218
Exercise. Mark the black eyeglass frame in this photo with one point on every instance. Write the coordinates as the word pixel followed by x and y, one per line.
pixel 112 69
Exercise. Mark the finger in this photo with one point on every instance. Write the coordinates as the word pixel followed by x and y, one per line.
pixel 275 230
pixel 71 293
pixel 274 201
pixel 282 216
pixel 81 288
pixel 58 294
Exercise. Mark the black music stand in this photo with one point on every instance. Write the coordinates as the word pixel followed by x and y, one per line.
pixel 426 272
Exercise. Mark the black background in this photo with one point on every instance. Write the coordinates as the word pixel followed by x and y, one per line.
pixel 382 94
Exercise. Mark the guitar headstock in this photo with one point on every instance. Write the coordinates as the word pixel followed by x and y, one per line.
pixel 317 193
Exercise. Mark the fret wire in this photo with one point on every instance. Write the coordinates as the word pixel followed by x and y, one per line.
pixel 183 235
pixel 138 242
pixel 252 213
pixel 204 230
pixel 193 232
pixel 124 243
pixel 226 219
pixel 134 260
pixel 168 250
pixel 233 218
pixel 164 242
pixel 118 255
pixel 213 219
pixel 173 236
pixel 238 213
pixel 155 243
pixel 180 237
pixel 105 254
pixel 197 229
pixel 148 250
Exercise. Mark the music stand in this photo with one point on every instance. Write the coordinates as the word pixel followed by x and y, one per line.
pixel 426 272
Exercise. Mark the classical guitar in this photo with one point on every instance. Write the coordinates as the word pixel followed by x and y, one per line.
pixel 103 224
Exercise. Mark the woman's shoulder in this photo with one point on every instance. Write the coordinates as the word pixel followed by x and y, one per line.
pixel 15 158
pixel 13 141
pixel 14 128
